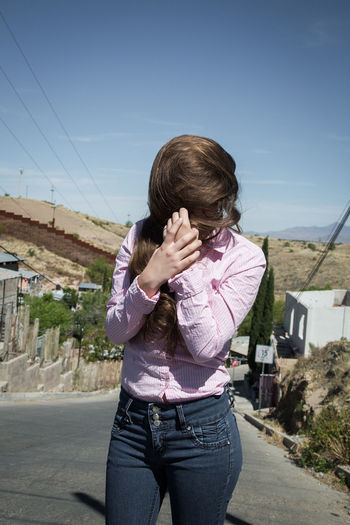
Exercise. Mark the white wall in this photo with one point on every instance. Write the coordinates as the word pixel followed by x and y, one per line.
pixel 315 320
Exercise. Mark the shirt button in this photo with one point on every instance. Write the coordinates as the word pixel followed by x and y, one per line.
pixel 156 423
pixel 155 409
pixel 155 417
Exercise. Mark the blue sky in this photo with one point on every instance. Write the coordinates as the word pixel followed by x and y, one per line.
pixel 269 80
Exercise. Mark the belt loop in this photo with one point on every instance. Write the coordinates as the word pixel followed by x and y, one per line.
pixel 127 406
pixel 181 416
pixel 230 393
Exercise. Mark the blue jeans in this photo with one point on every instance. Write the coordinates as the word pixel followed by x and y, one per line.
pixel 193 450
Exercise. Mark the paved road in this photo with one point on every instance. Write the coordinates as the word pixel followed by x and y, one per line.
pixel 52 462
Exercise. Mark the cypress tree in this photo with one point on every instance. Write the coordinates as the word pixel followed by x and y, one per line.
pixel 267 324
pixel 262 319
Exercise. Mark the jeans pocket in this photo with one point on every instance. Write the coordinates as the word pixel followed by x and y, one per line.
pixel 120 421
pixel 211 435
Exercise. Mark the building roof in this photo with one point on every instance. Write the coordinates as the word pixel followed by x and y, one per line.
pixel 90 286
pixel 240 345
pixel 322 298
pixel 29 275
pixel 7 258
pixel 8 274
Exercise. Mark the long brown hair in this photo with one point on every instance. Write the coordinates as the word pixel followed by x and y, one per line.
pixel 189 172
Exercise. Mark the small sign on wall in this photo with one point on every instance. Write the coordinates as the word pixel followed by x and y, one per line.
pixel 264 354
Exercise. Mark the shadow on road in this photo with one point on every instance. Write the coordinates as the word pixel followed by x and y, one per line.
pixel 236 521
pixel 90 502
pixel 99 507
pixel 238 388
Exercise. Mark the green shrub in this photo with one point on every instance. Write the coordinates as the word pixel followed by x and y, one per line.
pixel 50 313
pixel 1 229
pixel 75 235
pixel 100 272
pixel 97 347
pixel 70 297
pixel 278 312
pixel 328 440
pixel 311 246
pixel 316 288
pixel 286 244
pixel 31 252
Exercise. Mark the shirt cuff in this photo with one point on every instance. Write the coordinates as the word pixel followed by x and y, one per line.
pixel 188 283
pixel 140 299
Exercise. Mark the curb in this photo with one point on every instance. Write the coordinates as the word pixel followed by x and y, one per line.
pixel 37 396
pixel 342 471
pixel 287 441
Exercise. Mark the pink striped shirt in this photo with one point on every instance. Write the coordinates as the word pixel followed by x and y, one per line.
pixel 213 297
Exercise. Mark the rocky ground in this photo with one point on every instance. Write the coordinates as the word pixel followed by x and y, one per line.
pixel 315 382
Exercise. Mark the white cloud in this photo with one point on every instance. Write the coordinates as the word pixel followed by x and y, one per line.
pixel 278 182
pixel 339 138
pixel 100 137
pixel 124 171
pixel 326 32
pixel 261 151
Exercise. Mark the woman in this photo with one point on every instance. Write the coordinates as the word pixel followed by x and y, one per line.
pixel 184 281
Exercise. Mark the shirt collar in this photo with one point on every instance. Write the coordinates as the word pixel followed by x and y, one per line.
pixel 220 242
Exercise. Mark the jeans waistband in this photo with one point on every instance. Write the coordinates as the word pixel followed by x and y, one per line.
pixel 202 410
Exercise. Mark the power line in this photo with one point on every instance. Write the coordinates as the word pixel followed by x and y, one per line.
pixel 33 160
pixel 55 113
pixel 14 200
pixel 46 139
pixel 26 264
pixel 322 257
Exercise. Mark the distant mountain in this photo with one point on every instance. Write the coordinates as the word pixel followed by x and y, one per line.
pixel 307 233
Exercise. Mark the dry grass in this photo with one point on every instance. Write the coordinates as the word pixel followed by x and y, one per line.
pixel 103 234
pixel 60 270
pixel 292 260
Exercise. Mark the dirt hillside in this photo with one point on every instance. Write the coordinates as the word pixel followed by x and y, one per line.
pixel 103 234
pixel 292 260
pixel 320 380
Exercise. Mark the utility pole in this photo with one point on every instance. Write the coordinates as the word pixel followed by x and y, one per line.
pixel 20 182
pixel 53 214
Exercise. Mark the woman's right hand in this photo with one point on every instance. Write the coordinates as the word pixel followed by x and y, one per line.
pixel 172 257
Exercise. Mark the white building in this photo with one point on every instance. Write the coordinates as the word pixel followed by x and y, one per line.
pixel 317 318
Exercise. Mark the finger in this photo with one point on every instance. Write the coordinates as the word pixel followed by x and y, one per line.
pixel 195 231
pixel 188 261
pixel 189 249
pixel 169 224
pixel 164 232
pixel 186 239
pixel 175 216
pixel 184 215
pixel 172 231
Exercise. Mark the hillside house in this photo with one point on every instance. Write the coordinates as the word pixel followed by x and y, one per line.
pixel 9 262
pixel 30 282
pixel 317 317
pixel 89 287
